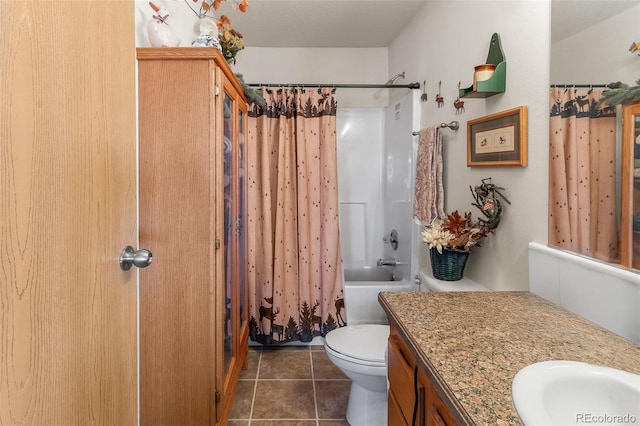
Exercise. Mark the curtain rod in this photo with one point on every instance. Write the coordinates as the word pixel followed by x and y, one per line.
pixel 580 86
pixel 341 86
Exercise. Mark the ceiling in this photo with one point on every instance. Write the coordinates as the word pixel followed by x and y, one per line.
pixel 569 17
pixel 369 23
pixel 323 23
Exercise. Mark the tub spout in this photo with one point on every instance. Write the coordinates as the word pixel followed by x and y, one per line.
pixel 386 262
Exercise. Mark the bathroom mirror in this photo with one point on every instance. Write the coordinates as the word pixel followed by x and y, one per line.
pixel 589 50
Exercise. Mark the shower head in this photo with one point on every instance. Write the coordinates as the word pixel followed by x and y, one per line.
pixel 395 78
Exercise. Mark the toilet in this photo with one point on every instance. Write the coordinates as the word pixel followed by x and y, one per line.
pixel 360 352
pixel 429 283
pixel 359 349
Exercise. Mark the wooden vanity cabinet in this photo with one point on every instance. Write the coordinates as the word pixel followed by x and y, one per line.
pixel 435 411
pixel 193 301
pixel 401 372
pixel 413 399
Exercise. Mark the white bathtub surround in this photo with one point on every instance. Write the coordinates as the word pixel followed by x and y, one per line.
pixel 401 120
pixel 605 294
pixel 360 179
pixel 375 183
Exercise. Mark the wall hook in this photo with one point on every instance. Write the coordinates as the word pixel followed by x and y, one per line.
pixel 439 98
pixel 458 103
pixel 424 97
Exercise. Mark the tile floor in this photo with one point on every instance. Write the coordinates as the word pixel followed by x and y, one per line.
pixel 290 386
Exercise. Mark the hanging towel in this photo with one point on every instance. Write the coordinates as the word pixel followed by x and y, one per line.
pixel 429 194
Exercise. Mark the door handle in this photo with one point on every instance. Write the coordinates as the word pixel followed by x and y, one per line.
pixel 141 258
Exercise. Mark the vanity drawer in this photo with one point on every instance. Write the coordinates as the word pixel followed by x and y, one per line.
pixel 401 371
pixel 395 416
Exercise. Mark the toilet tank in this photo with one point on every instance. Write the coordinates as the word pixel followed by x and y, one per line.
pixel 361 288
pixel 429 283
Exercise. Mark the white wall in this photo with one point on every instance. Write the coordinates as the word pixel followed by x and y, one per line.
pixel 599 54
pixel 321 66
pixel 443 43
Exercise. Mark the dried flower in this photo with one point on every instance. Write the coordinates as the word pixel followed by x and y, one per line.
pixel 455 232
pixel 230 39
pixel 207 5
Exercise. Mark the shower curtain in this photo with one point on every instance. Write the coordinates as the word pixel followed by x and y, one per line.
pixel 582 170
pixel 294 260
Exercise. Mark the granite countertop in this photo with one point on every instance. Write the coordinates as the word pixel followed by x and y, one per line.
pixel 471 344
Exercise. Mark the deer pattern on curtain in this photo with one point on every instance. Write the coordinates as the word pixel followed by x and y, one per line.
pixel 582 171
pixel 294 260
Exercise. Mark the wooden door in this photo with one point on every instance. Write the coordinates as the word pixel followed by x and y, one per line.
pixel 67 208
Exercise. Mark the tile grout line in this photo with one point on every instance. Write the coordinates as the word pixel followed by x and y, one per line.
pixel 313 382
pixel 255 388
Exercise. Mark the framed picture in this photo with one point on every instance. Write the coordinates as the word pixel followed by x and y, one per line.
pixel 498 139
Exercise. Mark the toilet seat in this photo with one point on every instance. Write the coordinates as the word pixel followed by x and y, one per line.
pixel 362 343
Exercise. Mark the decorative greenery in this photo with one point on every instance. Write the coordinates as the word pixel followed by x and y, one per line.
pixel 621 93
pixel 253 95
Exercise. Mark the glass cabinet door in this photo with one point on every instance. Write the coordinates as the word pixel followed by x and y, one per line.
pixel 234 330
pixel 240 217
pixel 229 229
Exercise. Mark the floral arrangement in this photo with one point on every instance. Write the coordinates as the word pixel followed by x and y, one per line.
pixel 455 232
pixel 458 232
pixel 230 40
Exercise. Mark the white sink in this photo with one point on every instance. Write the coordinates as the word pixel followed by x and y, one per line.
pixel 569 392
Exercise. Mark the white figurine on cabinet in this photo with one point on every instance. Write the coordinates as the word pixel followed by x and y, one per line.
pixel 207 29
pixel 160 35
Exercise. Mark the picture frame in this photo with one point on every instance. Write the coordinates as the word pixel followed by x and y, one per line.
pixel 498 139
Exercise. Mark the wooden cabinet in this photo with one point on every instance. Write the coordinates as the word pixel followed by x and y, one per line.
pixel 413 399
pixel 193 302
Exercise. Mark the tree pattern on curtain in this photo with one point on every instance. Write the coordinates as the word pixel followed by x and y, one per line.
pixel 582 171
pixel 294 260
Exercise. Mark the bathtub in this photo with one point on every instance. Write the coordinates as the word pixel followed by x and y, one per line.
pixel 361 288
pixel 376 273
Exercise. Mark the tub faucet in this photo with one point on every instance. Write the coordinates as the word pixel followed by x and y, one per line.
pixel 386 262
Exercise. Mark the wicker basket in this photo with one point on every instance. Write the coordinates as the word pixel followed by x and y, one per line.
pixel 448 266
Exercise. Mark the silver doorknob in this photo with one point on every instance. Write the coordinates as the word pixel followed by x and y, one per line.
pixel 141 258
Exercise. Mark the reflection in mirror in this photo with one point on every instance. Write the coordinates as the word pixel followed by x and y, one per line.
pixel 582 184
pixel 630 227
pixel 589 57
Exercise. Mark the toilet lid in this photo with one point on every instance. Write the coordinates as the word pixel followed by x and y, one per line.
pixel 367 342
